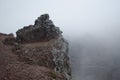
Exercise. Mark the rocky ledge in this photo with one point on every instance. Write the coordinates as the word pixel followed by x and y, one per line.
pixel 38 52
pixel 42 30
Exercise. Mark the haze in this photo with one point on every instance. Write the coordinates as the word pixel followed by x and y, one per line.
pixel 92 28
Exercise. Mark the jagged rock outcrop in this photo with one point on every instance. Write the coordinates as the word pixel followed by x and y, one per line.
pixel 42 30
pixel 39 52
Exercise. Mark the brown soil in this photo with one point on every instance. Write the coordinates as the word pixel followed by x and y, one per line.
pixel 12 68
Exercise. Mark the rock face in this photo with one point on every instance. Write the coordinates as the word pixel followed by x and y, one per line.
pixel 39 52
pixel 42 30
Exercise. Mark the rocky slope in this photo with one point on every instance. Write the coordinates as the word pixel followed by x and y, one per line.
pixel 39 52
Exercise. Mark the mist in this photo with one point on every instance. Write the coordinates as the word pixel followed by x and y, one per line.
pixel 92 28
pixel 95 56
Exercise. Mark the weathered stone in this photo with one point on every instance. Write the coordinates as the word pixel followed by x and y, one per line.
pixel 52 54
pixel 9 39
pixel 2 34
pixel 43 19
pixel 42 30
pixel 46 60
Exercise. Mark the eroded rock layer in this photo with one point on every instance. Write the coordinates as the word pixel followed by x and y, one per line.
pixel 39 52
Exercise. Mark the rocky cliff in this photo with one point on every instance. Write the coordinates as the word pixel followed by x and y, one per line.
pixel 38 52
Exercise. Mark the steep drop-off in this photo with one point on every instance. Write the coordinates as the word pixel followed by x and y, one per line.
pixel 38 52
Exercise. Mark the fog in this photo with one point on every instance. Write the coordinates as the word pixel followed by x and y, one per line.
pixel 95 56
pixel 92 28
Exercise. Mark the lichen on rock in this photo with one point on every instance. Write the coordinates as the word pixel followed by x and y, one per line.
pixel 61 58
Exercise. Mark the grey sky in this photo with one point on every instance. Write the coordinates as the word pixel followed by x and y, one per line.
pixel 69 15
pixel 92 28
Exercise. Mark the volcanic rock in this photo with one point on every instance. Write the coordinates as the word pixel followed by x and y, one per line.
pixel 42 30
pixel 39 52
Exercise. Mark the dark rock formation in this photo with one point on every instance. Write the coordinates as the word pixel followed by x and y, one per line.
pixel 42 30
pixel 2 34
pixel 39 52
pixel 10 39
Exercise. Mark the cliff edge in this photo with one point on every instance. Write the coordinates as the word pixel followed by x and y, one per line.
pixel 38 52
